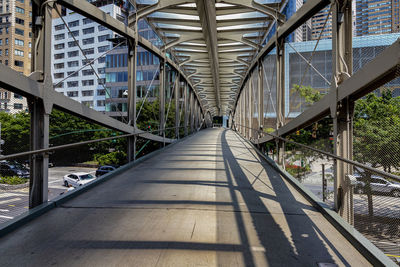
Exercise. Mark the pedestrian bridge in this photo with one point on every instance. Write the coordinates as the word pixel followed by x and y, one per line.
pixel 208 200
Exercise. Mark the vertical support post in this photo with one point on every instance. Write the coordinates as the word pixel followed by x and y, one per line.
pixel 162 99
pixel 342 112
pixel 185 107
pixel 280 96
pixel 132 94
pixel 251 108
pixel 260 96
pixel 243 112
pixel 177 97
pixel 191 112
pixel 40 110
pixel 246 111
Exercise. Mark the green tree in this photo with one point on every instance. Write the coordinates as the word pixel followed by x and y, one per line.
pixel 376 131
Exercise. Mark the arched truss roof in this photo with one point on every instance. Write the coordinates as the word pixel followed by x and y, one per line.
pixel 214 42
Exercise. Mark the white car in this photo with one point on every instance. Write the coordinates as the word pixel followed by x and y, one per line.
pixel 77 179
pixel 378 185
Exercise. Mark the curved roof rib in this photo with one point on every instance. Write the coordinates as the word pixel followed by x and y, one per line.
pixel 214 41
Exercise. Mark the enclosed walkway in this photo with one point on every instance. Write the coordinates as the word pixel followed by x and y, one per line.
pixel 206 201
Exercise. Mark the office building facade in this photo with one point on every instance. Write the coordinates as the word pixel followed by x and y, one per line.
pixel 15 47
pixel 87 85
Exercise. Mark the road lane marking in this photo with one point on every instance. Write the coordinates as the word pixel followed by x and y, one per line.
pixel 6 217
pixel 4 210
pixel 10 200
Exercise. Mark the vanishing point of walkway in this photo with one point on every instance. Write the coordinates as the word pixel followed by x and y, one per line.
pixel 206 201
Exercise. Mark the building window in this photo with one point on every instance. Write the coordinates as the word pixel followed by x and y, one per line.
pixel 87 72
pixel 6 61
pixel 104 48
pixel 59 27
pixel 73 43
pixel 73 64
pixel 59 75
pixel 87 93
pixel 88 41
pixel 74 23
pixel 19 21
pixel 59 85
pixel 101 103
pixel 19 42
pixel 6 41
pixel 18 63
pixel 18 52
pixel 1 41
pixel 6 52
pixel 1 52
pixel 19 10
pixel 88 30
pixel 17 96
pixel 86 21
pixel 101 92
pixel 74 33
pixel 87 82
pixel 72 84
pixel 87 61
pixel 59 65
pixel 88 103
pixel 102 59
pixel 18 106
pixel 103 38
pixel 89 51
pixel 73 73
pixel 59 46
pixel 19 31
pixel 73 53
pixel 102 28
pixel 59 56
pixel 59 36
pixel 72 93
pixel 21 1
pixel 101 70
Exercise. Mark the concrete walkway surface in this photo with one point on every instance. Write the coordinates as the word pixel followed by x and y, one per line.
pixel 206 201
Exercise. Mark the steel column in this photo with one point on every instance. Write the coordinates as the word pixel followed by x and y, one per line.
pixel 132 94
pixel 280 96
pixel 342 112
pixel 186 107
pixel 251 108
pixel 39 109
pixel 260 81
pixel 191 110
pixel 162 99
pixel 177 97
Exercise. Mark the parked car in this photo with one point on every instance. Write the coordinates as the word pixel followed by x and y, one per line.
pixel 377 184
pixel 105 169
pixel 77 179
pixel 13 168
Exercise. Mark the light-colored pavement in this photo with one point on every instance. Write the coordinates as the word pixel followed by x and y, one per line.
pixel 207 201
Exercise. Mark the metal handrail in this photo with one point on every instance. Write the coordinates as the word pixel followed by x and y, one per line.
pixel 60 147
pixel 389 175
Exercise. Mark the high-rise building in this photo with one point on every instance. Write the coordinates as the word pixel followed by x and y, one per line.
pixel 318 22
pixel 15 47
pixel 87 85
pixel 147 75
pixel 377 17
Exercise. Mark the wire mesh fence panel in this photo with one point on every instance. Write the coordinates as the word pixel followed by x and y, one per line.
pixel 366 48
pixel 376 206
pixel 88 59
pixel 312 169
pixel 269 82
pixel 14 173
pixel 308 72
pixel 83 159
